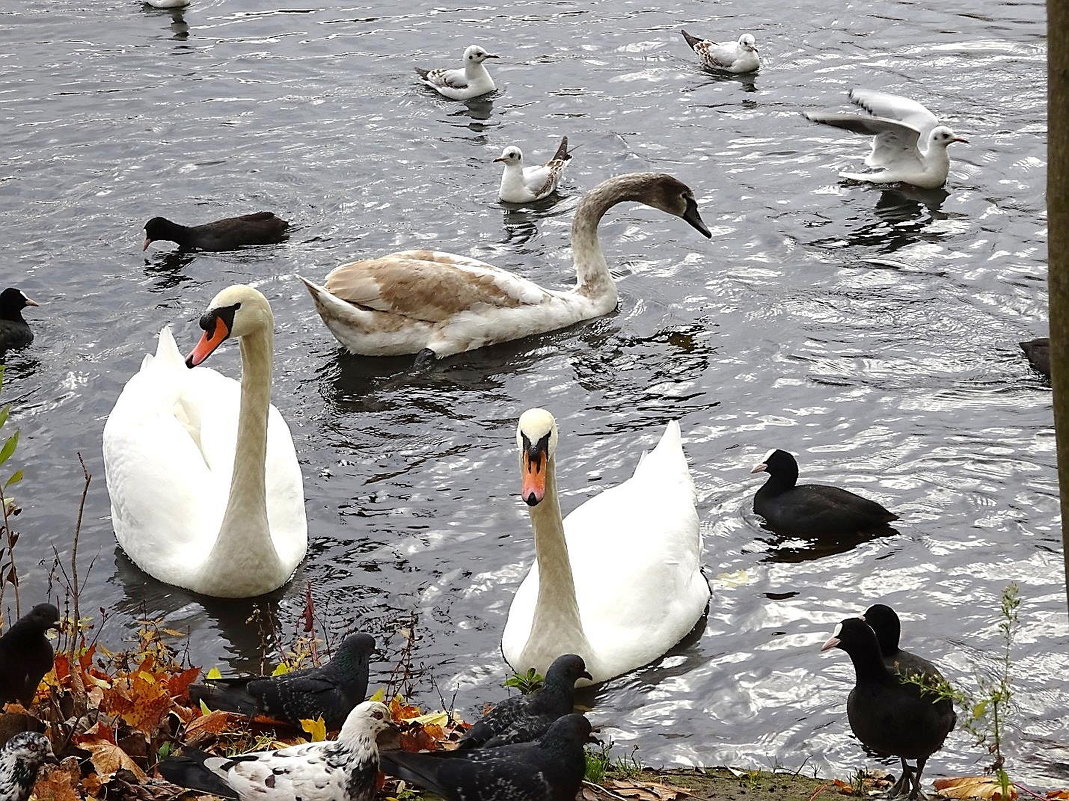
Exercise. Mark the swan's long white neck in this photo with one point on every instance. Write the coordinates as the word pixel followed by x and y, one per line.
pixel 556 612
pixel 244 546
pixel 593 278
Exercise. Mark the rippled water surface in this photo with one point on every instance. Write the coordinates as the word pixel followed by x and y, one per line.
pixel 874 333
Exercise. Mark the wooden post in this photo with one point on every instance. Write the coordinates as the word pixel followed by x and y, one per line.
pixel 1058 242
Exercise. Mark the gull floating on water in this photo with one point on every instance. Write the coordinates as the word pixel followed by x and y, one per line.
pixel 909 145
pixel 167 3
pixel 521 184
pixel 740 56
pixel 462 84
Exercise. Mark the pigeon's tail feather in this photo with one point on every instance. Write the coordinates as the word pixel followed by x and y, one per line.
pixel 226 697
pixel 421 769
pixel 188 770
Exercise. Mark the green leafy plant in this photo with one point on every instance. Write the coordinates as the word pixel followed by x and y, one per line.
pixel 597 762
pixel 985 711
pixel 526 683
pixel 8 536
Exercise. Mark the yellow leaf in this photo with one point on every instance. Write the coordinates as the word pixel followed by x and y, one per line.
pixel 380 695
pixel 431 719
pixel 281 670
pixel 204 710
pixel 317 729
pixel 107 758
pixel 983 787
pixel 214 674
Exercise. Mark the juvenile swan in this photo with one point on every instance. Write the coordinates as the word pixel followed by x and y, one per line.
pixel 206 492
pixel 437 304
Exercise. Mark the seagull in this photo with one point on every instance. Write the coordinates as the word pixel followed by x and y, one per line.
pixel 329 691
pixel 462 84
pixel 736 57
pixel 346 769
pixel 167 3
pixel 26 655
pixel 521 184
pixel 523 718
pixel 20 759
pixel 548 770
pixel 909 145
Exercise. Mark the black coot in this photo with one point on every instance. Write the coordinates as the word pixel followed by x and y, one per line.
pixel 261 228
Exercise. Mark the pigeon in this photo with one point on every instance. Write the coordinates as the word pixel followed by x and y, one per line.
pixel 811 510
pixel 550 769
pixel 230 233
pixel 527 717
pixel 736 57
pixel 330 691
pixel 521 184
pixel 26 655
pixel 909 145
pixel 887 715
pixel 346 769
pixel 1037 351
pixel 14 330
pixel 462 84
pixel 20 759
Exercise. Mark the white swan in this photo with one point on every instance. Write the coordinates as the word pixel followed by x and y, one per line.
pixel 437 304
pixel 206 492
pixel 620 581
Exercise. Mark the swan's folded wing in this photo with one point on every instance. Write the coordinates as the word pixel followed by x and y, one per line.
pixel 430 286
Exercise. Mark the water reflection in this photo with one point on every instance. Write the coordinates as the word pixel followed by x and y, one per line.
pixel 795 550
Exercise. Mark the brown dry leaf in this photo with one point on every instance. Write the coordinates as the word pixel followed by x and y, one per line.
pixel 591 793
pixel 984 787
pixel 647 791
pixel 59 782
pixel 206 725
pixel 1058 795
pixel 108 758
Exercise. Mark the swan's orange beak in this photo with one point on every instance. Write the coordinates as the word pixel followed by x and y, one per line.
pixel 209 341
pixel 534 476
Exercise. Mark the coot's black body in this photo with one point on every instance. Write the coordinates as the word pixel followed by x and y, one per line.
pixel 889 716
pixel 261 228
pixel 1037 351
pixel 812 510
pixel 14 330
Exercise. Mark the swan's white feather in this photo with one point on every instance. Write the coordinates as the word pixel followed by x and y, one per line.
pixel 635 551
pixel 169 447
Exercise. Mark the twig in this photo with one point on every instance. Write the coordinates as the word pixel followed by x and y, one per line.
pixel 1032 793
pixel 77 534
pixel 600 789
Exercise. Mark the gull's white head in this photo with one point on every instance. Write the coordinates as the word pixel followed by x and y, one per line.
pixel 510 155
pixel 748 43
pixel 476 55
pixel 944 137
pixel 536 438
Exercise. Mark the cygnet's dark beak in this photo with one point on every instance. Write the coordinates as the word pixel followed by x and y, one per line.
pixel 691 216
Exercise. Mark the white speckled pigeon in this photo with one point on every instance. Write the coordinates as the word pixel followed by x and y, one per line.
pixel 346 769
pixel 330 691
pixel 527 717
pixel 20 759
pixel 550 769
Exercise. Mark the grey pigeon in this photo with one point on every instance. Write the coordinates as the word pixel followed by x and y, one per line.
pixel 887 715
pixel 20 759
pixel 14 330
pixel 346 769
pixel 550 769
pixel 527 717
pixel 330 691
pixel 26 655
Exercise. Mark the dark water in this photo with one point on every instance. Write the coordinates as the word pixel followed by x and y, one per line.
pixel 872 332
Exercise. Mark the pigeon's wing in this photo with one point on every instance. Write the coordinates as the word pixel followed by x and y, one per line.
pixel 227 694
pixel 496 775
pixel 497 721
pixel 188 770
pixel 894 107
pixel 297 771
pixel 893 142
pixel 302 697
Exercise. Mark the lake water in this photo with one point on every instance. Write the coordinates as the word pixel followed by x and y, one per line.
pixel 873 333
